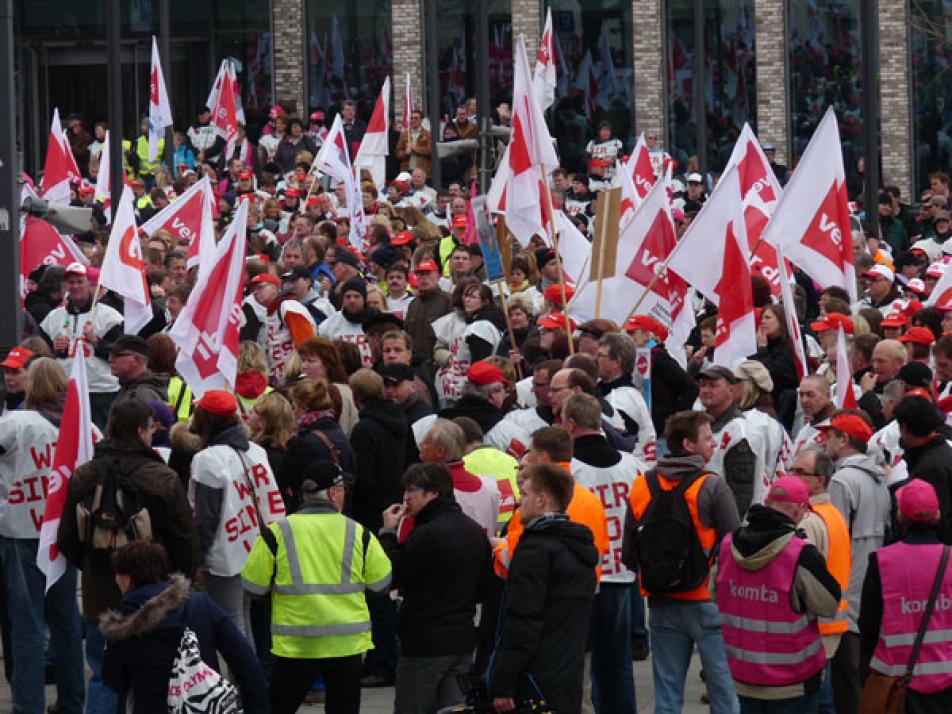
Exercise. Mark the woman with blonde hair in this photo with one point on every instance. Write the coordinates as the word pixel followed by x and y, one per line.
pixel 251 382
pixel 376 298
pixel 271 425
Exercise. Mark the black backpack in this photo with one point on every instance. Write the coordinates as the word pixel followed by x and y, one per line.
pixel 111 515
pixel 670 556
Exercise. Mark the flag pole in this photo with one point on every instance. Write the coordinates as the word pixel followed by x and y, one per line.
pixel 503 286
pixel 553 238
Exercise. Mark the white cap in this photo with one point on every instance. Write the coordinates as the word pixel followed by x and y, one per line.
pixel 76 268
pixel 880 271
pixel 695 178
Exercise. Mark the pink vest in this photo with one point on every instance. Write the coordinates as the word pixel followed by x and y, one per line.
pixel 906 573
pixel 767 643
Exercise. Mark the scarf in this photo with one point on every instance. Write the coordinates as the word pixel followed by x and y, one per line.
pixel 309 418
pixel 250 385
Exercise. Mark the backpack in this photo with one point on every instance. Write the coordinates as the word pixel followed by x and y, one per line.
pixel 670 556
pixel 110 515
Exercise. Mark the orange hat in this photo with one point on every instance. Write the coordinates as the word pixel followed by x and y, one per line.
pixel 557 321
pixel 17 358
pixel 918 392
pixel 218 402
pixel 894 319
pixel 649 324
pixel 262 278
pixel 403 238
pixel 833 321
pixel 553 293
pixel 460 220
pixel 427 266
pixel 919 336
pixel 851 425
pixel 292 192
pixel 482 373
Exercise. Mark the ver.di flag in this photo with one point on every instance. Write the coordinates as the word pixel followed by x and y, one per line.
pixel 160 111
pixel 123 270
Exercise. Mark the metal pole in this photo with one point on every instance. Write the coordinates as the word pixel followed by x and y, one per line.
pixel 482 91
pixel 699 85
pixel 869 27
pixel 165 53
pixel 433 87
pixel 114 90
pixel 9 195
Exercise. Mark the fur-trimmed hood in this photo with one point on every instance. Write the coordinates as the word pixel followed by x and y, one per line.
pixel 183 440
pixel 146 609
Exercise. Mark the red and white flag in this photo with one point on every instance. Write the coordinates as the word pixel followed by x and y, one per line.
pixel 530 150
pixel 74 448
pixel 712 256
pixel 206 330
pixel 790 314
pixel 41 243
pixel 407 103
pixel 160 111
pixel 845 396
pixel 123 270
pixel 373 151
pixel 227 67
pixel 224 114
pixel 104 180
pixel 941 294
pixel 189 217
pixel 635 178
pixel 812 219
pixel 545 79
pixel 333 159
pixel 60 167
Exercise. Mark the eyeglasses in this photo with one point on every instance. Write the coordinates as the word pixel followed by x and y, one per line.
pixel 536 385
pixel 803 472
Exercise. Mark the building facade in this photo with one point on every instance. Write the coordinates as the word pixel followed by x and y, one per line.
pixel 689 72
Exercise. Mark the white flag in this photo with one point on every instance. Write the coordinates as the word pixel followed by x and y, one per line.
pixel 160 112
pixel 123 270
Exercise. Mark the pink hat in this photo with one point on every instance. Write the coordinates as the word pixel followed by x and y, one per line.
pixel 789 489
pixel 917 501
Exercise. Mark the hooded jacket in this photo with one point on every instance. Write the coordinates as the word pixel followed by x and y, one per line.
pixel 932 462
pixel 814 591
pixel 545 617
pixel 147 386
pixel 159 492
pixel 306 447
pixel 379 443
pixel 143 638
pixel 479 347
pixel 479 410
pixel 858 490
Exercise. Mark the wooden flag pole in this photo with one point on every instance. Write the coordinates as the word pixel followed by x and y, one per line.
pixel 553 237
pixel 502 285
pixel 605 244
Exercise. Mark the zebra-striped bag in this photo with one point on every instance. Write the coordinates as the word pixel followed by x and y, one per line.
pixel 195 687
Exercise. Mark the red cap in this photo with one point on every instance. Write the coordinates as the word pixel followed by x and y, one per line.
pixel 553 293
pixel 313 201
pixel 292 192
pixel 245 175
pixel 76 268
pixel 917 501
pixel 851 425
pixel 135 183
pixel 460 220
pixel 919 336
pixel 427 266
pixel 86 188
pixel 912 307
pixel 833 321
pixel 916 286
pixel 789 489
pixel 598 164
pixel 557 321
pixel 403 238
pixel 649 324
pixel 218 402
pixel 918 392
pixel 17 358
pixel 894 319
pixel 482 373
pixel 262 278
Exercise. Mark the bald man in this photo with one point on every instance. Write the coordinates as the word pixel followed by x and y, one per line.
pixel 888 358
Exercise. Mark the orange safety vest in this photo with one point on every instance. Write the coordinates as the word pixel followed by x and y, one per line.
pixel 839 561
pixel 585 508
pixel 640 498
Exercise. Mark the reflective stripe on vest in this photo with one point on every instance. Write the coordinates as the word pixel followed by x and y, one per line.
pixel 180 398
pixel 838 562
pixel 906 573
pixel 767 643
pixel 299 587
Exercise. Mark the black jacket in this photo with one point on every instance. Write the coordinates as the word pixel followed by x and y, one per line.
pixel 414 409
pixel 444 568
pixel 777 357
pixel 379 444
pixel 143 641
pixel 479 410
pixel 544 625
pixel 304 448
pixel 672 388
pixel 932 462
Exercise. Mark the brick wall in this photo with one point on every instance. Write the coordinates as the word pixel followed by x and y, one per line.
pixel 896 115
pixel 407 54
pixel 649 72
pixel 289 57
pixel 770 48
pixel 527 19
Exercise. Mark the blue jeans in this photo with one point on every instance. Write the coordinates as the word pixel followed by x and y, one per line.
pixel 100 699
pixel 613 681
pixel 31 614
pixel 827 706
pixel 675 629
pixel 807 704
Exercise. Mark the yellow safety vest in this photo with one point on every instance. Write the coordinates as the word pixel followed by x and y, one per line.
pixel 488 461
pixel 146 167
pixel 181 399
pixel 316 568
pixel 446 247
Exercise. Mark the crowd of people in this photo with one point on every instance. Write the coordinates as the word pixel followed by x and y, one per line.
pixel 425 480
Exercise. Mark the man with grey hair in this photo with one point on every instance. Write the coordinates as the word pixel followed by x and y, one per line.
pixel 817 408
pixel 478 496
pixel 888 358
pixel 616 362
pixel 825 528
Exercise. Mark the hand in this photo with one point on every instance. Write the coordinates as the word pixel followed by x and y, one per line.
pixel 61 343
pixel 504 704
pixel 761 336
pixel 89 334
pixel 698 357
pixel 392 516
pixel 868 382
pixel 515 356
pixel 157 291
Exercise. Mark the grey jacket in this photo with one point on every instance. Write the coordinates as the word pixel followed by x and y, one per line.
pixel 858 490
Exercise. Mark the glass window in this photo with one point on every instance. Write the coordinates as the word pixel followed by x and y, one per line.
pixel 349 49
pixel 729 92
pixel 593 46
pixel 931 49
pixel 825 70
